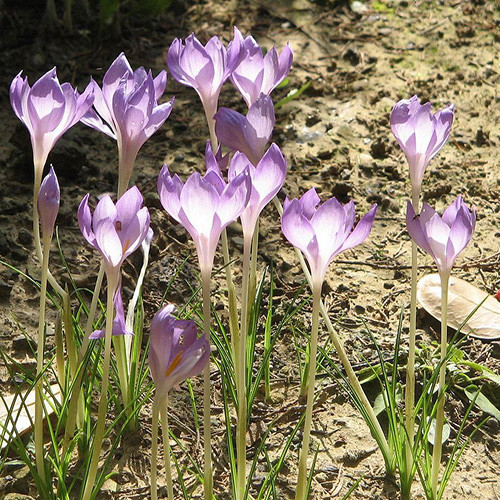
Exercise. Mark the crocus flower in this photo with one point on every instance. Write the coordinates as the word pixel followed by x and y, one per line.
pixel 205 68
pixel 420 134
pixel 115 231
pixel 267 178
pixel 119 325
pixel 248 134
pixel 322 232
pixel 47 110
pixel 443 238
pixel 49 198
pixel 258 74
pixel 175 351
pixel 127 109
pixel 204 206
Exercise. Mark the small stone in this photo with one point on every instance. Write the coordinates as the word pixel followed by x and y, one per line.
pixel 5 289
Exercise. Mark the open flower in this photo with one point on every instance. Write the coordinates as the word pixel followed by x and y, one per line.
pixel 204 206
pixel 267 178
pixel 420 134
pixel 47 109
pixel 115 231
pixel 248 134
pixel 175 351
pixel 205 68
pixel 257 73
pixel 323 231
pixel 49 197
pixel 443 238
pixel 127 109
pixel 119 324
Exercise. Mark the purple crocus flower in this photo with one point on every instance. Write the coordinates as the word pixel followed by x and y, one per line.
pixel 267 179
pixel 49 197
pixel 205 68
pixel 420 134
pixel 258 74
pixel 127 109
pixel 175 351
pixel 443 238
pixel 204 206
pixel 248 134
pixel 322 232
pixel 119 324
pixel 115 231
pixel 47 110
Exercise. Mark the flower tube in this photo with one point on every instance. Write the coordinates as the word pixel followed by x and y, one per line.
pixel 116 231
pixel 321 232
pixel 443 238
pixel 175 354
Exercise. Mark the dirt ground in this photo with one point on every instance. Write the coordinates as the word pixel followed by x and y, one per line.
pixel 361 58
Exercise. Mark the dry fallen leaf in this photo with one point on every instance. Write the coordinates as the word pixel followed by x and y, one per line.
pixel 16 413
pixel 463 298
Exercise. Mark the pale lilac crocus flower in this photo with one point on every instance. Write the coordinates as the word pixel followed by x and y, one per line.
pixel 47 109
pixel 248 134
pixel 205 68
pixel 49 198
pixel 127 110
pixel 119 324
pixel 420 133
pixel 321 232
pixel 175 351
pixel 267 178
pixel 204 206
pixel 115 230
pixel 257 73
pixel 442 237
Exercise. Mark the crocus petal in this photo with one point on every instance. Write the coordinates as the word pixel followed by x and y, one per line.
pixel 129 205
pixel 85 220
pixel 361 231
pixel 105 209
pixel 199 202
pixel 169 191
pixel 108 242
pixel 296 227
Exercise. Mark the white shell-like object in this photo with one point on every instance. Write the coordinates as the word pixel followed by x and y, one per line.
pixel 463 298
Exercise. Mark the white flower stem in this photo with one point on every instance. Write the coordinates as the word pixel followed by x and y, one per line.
pixel 410 367
pixel 355 385
pixel 302 479
pixel 154 447
pixel 40 465
pixel 101 412
pixel 166 448
pixel 438 437
pixel 240 361
pixel 75 410
pixel 207 438
pixel 231 292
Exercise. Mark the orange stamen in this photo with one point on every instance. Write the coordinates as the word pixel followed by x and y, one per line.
pixel 175 363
